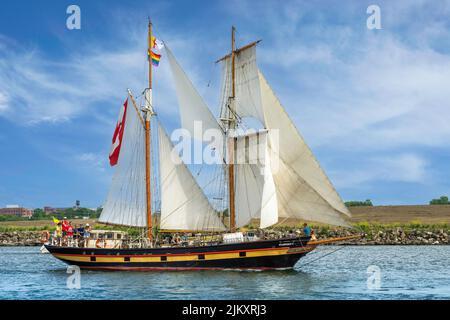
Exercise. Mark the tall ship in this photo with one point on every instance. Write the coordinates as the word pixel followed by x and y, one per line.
pixel 266 174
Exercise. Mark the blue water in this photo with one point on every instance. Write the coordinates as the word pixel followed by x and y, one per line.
pixel 406 272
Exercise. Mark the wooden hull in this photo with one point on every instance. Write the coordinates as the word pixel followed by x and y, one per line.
pixel 254 255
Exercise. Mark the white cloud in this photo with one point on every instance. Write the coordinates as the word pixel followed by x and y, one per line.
pixel 40 89
pixel 391 95
pixel 407 167
pixel 92 161
pixel 3 102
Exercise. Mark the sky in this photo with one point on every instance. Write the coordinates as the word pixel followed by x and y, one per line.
pixel 373 105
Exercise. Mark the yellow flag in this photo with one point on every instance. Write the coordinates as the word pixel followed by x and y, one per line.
pixel 55 221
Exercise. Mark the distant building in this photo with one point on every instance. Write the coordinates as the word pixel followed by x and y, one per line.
pixel 49 210
pixel 15 210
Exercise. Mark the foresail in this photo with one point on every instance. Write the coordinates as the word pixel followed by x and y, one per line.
pixel 303 189
pixel 126 200
pixel 184 206
pixel 192 107
pixel 255 189
pixel 247 91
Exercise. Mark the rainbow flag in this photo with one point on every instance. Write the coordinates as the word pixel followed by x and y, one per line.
pixel 155 57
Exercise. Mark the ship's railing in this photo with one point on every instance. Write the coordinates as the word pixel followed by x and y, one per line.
pixel 143 242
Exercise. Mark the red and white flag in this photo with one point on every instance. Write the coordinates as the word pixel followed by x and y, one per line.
pixel 118 134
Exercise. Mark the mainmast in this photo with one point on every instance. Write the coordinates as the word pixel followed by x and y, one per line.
pixel 148 115
pixel 232 125
pixel 230 121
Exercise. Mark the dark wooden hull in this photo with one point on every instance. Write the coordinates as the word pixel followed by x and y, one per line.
pixel 257 255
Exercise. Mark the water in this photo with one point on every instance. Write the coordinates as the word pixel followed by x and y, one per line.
pixel 407 272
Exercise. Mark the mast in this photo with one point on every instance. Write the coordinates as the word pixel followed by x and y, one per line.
pixel 232 125
pixel 148 115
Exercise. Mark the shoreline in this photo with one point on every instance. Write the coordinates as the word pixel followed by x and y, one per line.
pixel 371 235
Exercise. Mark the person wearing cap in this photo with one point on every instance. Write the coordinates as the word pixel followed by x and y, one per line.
pixel 87 231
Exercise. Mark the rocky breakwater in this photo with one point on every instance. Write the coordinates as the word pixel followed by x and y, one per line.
pixel 394 236
pixel 21 238
pixel 375 235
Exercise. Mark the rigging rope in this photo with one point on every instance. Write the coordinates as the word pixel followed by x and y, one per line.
pixel 323 256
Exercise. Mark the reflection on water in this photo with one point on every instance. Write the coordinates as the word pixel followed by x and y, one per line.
pixel 407 272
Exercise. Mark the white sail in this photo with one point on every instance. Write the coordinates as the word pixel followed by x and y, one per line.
pixel 192 107
pixel 126 201
pixel 255 189
pixel 303 189
pixel 247 92
pixel 184 206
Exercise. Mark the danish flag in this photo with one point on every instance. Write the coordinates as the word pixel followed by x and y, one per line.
pixel 118 134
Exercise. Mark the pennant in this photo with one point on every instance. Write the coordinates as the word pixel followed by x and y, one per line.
pixel 118 135
pixel 55 221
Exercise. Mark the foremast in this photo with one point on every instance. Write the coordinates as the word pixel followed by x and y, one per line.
pixel 148 110
pixel 232 126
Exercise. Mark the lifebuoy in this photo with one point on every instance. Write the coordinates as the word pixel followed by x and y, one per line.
pixel 45 236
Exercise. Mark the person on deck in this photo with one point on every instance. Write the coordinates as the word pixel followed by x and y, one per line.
pixel 80 232
pixel 306 230
pixel 313 236
pixel 87 231
pixel 65 225
pixel 69 235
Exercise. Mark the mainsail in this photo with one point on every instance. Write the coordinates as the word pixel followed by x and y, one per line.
pixel 126 200
pixel 184 206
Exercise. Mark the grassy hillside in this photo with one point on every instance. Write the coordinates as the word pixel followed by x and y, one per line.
pixel 424 214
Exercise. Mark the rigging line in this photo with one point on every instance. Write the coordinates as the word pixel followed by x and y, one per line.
pixel 187 201
pixel 323 256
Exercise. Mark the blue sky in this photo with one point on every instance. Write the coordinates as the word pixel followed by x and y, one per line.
pixel 374 105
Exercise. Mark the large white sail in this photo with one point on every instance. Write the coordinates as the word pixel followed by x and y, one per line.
pixel 247 102
pixel 126 200
pixel 184 206
pixel 192 107
pixel 256 196
pixel 303 189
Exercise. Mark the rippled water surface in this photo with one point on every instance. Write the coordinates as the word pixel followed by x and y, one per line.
pixel 407 272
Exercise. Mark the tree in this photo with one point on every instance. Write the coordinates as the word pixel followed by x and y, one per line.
pixel 441 200
pixel 367 203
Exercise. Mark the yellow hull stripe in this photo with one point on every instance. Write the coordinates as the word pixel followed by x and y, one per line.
pixel 193 257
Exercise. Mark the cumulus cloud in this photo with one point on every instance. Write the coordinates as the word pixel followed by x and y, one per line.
pixel 407 167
